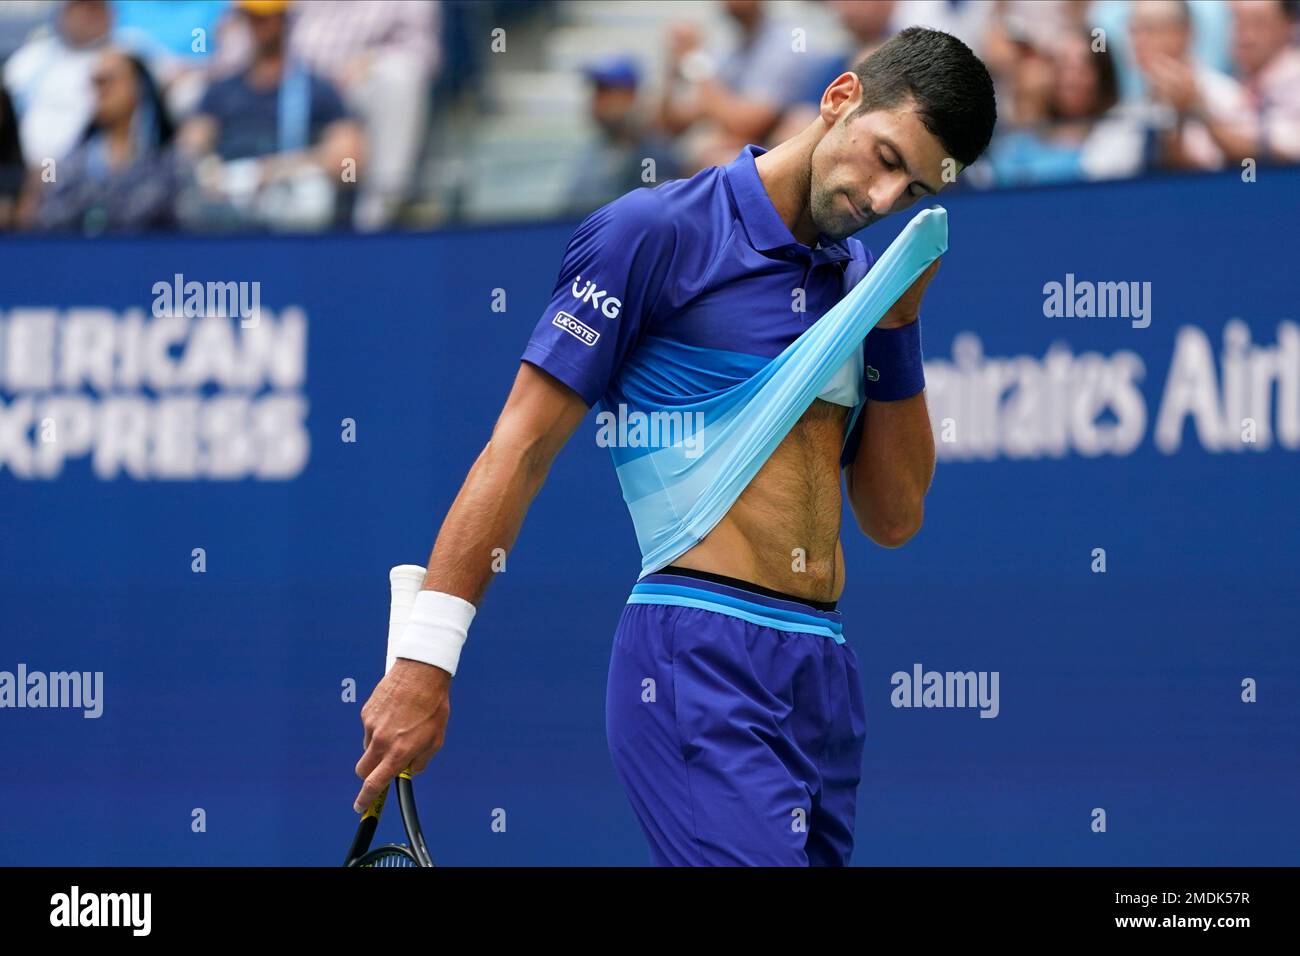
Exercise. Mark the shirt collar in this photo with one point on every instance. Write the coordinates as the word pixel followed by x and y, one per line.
pixel 767 232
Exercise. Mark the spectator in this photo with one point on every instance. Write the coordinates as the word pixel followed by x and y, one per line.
pixel 1032 73
pixel 1268 62
pixel 123 174
pixel 275 142
pixel 617 164
pixel 383 56
pixel 48 79
pixel 967 20
pixel 1210 31
pixel 1065 125
pixel 12 170
pixel 868 24
pixel 1185 100
pixel 1014 26
pixel 738 97
pixel 177 40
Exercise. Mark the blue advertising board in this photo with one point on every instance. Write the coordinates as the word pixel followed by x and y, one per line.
pixel 212 450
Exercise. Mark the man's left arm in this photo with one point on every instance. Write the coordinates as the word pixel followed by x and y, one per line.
pixel 889 476
pixel 888 479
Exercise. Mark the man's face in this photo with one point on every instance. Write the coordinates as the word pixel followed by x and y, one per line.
pixel 743 10
pixel 612 105
pixel 865 19
pixel 1158 30
pixel 872 165
pixel 267 31
pixel 1260 30
pixel 82 22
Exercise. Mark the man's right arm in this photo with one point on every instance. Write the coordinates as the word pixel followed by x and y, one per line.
pixel 612 278
pixel 405 719
pixel 539 417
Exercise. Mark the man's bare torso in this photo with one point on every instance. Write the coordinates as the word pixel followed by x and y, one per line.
pixel 783 532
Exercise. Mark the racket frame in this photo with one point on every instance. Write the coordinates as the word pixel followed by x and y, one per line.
pixel 360 852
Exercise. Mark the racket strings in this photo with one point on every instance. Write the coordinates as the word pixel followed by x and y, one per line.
pixel 387 856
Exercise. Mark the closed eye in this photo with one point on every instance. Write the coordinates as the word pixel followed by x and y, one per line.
pixel 915 190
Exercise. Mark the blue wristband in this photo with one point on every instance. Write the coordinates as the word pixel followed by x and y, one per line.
pixel 893 366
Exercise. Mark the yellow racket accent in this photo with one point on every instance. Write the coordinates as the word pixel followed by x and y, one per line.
pixel 377 805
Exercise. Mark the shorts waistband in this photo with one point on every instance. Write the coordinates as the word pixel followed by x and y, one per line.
pixel 782 613
pixel 748 587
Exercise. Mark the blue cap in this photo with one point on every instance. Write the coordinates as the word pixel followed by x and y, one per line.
pixel 614 71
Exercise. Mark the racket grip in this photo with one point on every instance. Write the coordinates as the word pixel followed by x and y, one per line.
pixel 404 582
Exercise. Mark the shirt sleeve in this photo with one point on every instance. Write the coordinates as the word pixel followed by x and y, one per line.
pixel 613 276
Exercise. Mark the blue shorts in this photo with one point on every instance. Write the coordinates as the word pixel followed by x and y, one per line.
pixel 736 723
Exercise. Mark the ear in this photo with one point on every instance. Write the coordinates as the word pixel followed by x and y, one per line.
pixel 841 97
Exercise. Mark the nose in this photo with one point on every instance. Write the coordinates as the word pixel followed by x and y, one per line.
pixel 887 192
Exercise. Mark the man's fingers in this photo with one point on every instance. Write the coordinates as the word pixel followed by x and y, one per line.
pixel 422 760
pixel 372 758
pixel 376 784
pixel 366 797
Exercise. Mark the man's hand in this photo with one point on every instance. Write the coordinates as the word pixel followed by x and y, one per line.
pixel 908 307
pixel 682 39
pixel 405 718
pixel 1173 81
pixel 405 721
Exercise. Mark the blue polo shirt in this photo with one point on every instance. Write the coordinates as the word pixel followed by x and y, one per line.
pixel 673 299
pixel 695 279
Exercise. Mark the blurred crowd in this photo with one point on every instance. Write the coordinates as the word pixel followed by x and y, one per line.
pixel 227 115
pixel 1087 89
pixel 210 114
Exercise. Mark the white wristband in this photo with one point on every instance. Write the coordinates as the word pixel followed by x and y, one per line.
pixel 435 630
pixel 404 582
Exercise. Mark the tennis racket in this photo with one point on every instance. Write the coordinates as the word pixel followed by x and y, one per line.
pixel 404 581
pixel 413 853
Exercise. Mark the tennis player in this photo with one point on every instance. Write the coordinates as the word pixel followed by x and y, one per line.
pixel 734 708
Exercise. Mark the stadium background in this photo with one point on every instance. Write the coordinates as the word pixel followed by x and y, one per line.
pixel 223 689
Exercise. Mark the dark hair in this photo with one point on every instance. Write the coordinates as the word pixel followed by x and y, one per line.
pixel 148 98
pixel 12 172
pixel 951 87
pixel 1107 94
pixel 11 151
